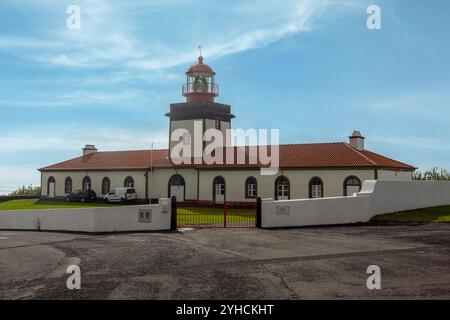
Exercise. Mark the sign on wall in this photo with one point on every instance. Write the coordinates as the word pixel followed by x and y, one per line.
pixel 282 210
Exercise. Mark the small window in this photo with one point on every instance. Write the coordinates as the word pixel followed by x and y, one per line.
pixel 217 125
pixel 129 182
pixel 68 185
pixel 316 188
pixel 106 185
pixel 251 190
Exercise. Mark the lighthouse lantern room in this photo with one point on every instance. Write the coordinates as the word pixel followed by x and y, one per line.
pixel 200 83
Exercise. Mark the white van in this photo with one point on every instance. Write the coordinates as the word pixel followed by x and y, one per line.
pixel 122 195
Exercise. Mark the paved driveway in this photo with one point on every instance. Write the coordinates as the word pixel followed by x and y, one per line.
pixel 308 263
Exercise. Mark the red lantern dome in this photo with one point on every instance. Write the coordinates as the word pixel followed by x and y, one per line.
pixel 200 67
pixel 200 84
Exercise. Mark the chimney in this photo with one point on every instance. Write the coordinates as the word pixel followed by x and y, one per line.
pixel 88 149
pixel 356 140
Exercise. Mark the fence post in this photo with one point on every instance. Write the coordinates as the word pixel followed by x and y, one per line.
pixel 173 213
pixel 225 214
pixel 258 212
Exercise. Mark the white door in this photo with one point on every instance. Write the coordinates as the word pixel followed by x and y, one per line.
pixel 51 190
pixel 220 192
pixel 178 192
pixel 352 190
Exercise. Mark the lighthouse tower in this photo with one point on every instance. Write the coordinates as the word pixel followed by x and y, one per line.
pixel 199 112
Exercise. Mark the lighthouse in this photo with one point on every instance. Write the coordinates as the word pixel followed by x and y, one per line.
pixel 200 111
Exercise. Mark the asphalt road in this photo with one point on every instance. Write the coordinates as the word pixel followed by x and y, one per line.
pixel 308 263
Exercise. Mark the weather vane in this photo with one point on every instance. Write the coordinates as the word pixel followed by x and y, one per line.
pixel 200 50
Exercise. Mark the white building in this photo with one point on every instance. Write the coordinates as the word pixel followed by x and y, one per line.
pixel 305 170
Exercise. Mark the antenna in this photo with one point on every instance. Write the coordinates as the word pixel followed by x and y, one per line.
pixel 200 50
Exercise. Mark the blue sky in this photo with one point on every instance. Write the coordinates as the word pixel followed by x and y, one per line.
pixel 310 68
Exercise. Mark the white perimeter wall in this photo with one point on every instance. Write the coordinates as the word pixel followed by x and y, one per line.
pixel 107 219
pixel 376 197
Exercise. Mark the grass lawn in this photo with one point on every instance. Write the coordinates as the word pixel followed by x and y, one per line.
pixel 429 215
pixel 213 216
pixel 37 205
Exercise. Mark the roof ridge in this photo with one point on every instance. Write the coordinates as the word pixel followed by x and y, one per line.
pixel 139 150
pixel 362 155
pixel 307 144
pixel 270 145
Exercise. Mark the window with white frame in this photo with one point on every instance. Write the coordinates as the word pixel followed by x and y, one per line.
pixel 316 188
pixel 219 188
pixel 282 188
pixel 251 188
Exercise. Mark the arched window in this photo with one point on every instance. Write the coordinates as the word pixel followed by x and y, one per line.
pixel 316 188
pixel 106 185
pixel 51 187
pixel 177 187
pixel 219 189
pixel 251 187
pixel 87 183
pixel 68 185
pixel 282 188
pixel 352 185
pixel 129 182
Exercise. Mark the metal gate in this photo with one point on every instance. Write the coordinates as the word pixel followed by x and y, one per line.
pixel 211 214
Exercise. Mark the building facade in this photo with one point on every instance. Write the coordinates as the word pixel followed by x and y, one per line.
pixel 305 170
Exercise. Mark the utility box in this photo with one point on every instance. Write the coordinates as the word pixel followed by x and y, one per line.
pixel 145 215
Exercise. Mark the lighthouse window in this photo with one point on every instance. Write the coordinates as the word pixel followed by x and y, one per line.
pixel 186 139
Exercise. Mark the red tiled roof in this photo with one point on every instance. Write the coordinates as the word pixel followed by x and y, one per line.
pixel 319 155
pixel 383 161
pixel 111 160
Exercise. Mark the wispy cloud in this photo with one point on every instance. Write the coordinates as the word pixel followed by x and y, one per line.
pixel 414 102
pixel 410 142
pixel 110 38
pixel 62 138
pixel 79 98
pixel 9 42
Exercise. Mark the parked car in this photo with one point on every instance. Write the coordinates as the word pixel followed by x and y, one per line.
pixel 122 195
pixel 81 196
